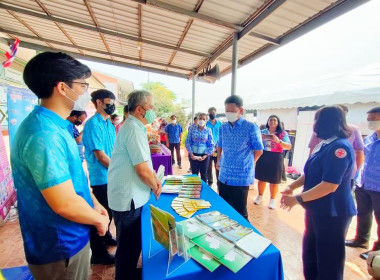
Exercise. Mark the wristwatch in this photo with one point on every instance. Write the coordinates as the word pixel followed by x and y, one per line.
pixel 299 199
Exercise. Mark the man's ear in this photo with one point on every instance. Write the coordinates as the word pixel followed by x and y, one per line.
pixel 61 88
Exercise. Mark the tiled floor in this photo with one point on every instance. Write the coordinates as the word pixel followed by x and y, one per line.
pixel 283 228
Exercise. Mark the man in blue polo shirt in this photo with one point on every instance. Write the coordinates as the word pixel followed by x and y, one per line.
pixel 214 125
pixel 55 204
pixel 367 193
pixel 174 135
pixel 239 147
pixel 98 139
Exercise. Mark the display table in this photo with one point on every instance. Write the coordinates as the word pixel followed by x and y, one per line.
pixel 268 266
pixel 17 273
pixel 164 158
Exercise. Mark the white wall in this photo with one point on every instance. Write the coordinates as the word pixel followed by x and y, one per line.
pixel 288 116
pixel 357 115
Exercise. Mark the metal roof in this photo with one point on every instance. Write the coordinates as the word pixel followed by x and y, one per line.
pixel 169 36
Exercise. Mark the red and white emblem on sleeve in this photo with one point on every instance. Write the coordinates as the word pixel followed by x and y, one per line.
pixel 340 153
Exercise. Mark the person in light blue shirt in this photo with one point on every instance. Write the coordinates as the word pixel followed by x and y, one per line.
pixel 56 207
pixel 200 145
pixel 367 193
pixel 98 139
pixel 239 147
pixel 214 125
pixel 131 179
pixel 174 135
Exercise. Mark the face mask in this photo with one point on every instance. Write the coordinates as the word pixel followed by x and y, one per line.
pixel 150 116
pixel 81 103
pixel 374 125
pixel 232 117
pixel 202 123
pixel 116 122
pixel 78 123
pixel 211 116
pixel 174 121
pixel 110 108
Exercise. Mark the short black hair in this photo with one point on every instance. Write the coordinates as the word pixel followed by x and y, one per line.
pixel 173 116
pixel 211 108
pixel 113 116
pixel 330 121
pixel 77 113
pixel 126 109
pixel 236 99
pixel 101 94
pixel 279 127
pixel 45 70
pixel 374 110
pixel 195 118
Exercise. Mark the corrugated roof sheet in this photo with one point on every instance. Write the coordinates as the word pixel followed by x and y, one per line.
pixel 167 36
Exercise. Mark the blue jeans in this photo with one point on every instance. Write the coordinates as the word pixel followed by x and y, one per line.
pixel 128 238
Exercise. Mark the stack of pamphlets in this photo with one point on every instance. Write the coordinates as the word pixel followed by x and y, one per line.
pixel 186 207
pixel 173 184
pixel 221 240
pixel 186 187
pixel 162 223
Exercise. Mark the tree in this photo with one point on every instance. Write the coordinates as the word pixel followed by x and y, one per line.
pixel 164 102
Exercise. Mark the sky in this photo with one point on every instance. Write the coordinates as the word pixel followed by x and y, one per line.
pixel 345 44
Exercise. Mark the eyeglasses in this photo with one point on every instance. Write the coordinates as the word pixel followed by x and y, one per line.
pixel 83 83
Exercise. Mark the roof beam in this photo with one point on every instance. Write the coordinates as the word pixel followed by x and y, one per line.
pixel 104 60
pixel 264 37
pixel 89 49
pixel 191 14
pixel 99 29
pixel 264 11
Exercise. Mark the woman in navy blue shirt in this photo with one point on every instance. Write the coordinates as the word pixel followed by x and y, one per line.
pixel 326 197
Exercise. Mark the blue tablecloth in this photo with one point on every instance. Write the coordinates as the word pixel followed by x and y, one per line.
pixel 17 273
pixel 164 158
pixel 268 266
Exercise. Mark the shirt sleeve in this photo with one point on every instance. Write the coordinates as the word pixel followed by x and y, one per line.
pixel 134 144
pixel 46 158
pixel 335 163
pixel 255 137
pixel 358 141
pixel 180 129
pixel 220 141
pixel 188 141
pixel 92 137
pixel 210 143
pixel 285 137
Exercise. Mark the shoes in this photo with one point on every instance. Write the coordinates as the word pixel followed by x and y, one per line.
pixel 272 204
pixel 357 244
pixel 189 171
pixel 364 255
pixel 104 260
pixel 111 242
pixel 179 166
pixel 258 199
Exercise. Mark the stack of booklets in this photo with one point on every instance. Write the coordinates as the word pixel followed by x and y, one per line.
pixel 215 239
pixel 173 184
pixel 186 207
pixel 186 187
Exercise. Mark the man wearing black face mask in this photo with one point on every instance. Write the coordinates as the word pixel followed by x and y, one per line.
pixel 214 125
pixel 77 118
pixel 98 138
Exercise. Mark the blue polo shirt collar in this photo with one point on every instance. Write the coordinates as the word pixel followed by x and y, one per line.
pixel 50 114
pixel 238 122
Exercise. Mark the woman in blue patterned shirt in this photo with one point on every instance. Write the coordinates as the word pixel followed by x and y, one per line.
pixel 200 144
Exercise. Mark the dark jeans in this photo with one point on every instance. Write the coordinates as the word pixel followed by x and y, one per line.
pixel 177 150
pixel 368 202
pixel 98 243
pixel 199 166
pixel 323 251
pixel 209 170
pixel 128 237
pixel 236 196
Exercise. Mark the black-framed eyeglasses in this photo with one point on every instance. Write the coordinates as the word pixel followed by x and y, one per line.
pixel 83 83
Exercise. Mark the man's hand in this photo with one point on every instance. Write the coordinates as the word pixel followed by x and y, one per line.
pixel 217 166
pixel 102 226
pixel 100 209
pixel 158 189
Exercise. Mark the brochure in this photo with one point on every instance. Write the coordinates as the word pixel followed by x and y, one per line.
pixel 235 232
pixel 204 258
pixel 211 217
pixel 235 259
pixel 254 244
pixel 162 223
pixel 193 228
pixel 214 244
pixel 223 223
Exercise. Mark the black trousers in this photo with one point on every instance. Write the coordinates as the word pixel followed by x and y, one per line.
pixel 368 202
pixel 209 170
pixel 128 237
pixel 236 196
pixel 98 243
pixel 177 150
pixel 323 251
pixel 199 167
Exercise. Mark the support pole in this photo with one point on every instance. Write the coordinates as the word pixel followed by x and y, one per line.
pixel 234 63
pixel 193 98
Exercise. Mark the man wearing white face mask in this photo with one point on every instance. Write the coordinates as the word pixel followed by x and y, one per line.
pixel 239 147
pixel 174 136
pixel 54 200
pixel 368 191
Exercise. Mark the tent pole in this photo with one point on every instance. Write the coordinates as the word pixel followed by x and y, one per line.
pixel 234 63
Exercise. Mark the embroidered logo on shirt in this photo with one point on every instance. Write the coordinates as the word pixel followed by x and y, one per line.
pixel 340 153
